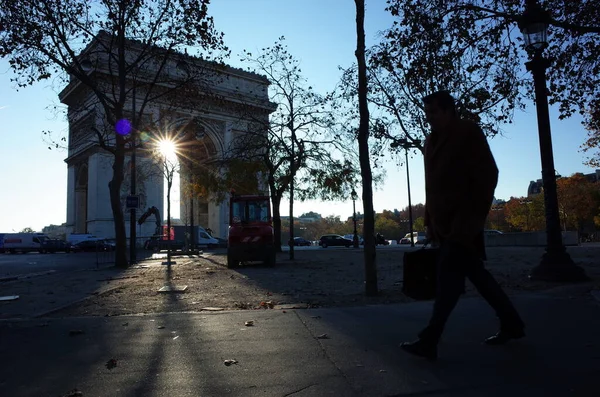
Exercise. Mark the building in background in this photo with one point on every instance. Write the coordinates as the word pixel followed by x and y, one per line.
pixel 212 123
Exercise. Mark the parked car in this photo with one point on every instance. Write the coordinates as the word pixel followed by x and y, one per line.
pixel 418 238
pixel 380 240
pixel 334 240
pixel 52 245
pixel 492 232
pixel 300 242
pixel 361 241
pixel 92 246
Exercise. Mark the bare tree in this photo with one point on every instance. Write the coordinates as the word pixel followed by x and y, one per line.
pixel 294 146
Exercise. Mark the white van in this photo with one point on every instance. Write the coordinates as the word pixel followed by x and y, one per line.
pixel 75 238
pixel 206 239
pixel 21 242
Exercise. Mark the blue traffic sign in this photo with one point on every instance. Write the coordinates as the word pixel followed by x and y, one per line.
pixel 132 202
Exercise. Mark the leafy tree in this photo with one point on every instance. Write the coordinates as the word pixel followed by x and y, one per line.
pixel 574 45
pixel 526 213
pixel 27 230
pixel 576 201
pixel 419 224
pixel 363 153
pixel 296 143
pixel 496 218
pixel 427 50
pixel 132 44
pixel 388 227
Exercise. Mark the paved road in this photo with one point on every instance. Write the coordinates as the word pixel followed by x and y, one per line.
pixel 33 262
pixel 18 264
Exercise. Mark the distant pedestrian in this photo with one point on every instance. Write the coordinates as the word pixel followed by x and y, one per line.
pixel 460 179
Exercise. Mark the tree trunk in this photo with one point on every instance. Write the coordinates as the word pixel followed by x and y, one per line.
pixel 114 187
pixel 292 172
pixel 276 201
pixel 363 152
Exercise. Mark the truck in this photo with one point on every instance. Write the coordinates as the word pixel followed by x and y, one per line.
pixel 21 242
pixel 75 238
pixel 201 235
pixel 251 237
pixel 177 238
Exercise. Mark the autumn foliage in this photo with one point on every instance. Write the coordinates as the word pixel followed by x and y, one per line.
pixel 577 201
pixel 578 204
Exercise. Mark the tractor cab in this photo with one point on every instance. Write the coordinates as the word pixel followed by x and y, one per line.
pixel 250 231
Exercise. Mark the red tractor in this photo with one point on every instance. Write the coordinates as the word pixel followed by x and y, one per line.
pixel 250 231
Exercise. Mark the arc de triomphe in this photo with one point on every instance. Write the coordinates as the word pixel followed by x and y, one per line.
pixel 214 128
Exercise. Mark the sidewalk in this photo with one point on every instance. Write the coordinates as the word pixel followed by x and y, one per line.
pixel 45 292
pixel 314 352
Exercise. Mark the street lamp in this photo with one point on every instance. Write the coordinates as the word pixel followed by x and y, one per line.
pixel 556 263
pixel 354 198
pixel 408 145
pixel 168 149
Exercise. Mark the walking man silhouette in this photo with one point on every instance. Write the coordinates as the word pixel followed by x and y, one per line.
pixel 460 179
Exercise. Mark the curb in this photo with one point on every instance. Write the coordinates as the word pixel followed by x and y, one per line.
pixel 27 275
pixel 76 301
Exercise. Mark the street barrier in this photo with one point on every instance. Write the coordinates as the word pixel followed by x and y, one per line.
pixel 527 239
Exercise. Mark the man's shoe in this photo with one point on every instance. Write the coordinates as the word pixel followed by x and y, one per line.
pixel 504 336
pixel 421 349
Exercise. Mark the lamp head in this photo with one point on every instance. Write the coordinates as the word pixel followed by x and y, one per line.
pixel 534 26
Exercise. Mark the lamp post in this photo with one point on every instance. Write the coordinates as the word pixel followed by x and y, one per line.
pixel 355 237
pixel 167 149
pixel 191 181
pixel 408 145
pixel 556 264
pixel 132 213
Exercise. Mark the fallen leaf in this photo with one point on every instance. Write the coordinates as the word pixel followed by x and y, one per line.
pixel 161 327
pixel 125 324
pixel 249 323
pixel 230 362
pixel 176 337
pixel 323 336
pixel 110 364
pixel 74 393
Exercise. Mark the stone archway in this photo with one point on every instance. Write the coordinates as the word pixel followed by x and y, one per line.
pixel 201 145
pixel 81 198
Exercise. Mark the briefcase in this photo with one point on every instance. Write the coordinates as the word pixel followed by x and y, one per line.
pixel 420 273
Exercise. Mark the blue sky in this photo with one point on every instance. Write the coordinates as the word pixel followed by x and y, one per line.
pixel 321 34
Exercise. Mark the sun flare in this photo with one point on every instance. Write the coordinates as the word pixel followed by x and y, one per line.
pixel 167 148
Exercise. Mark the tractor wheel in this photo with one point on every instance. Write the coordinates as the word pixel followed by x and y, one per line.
pixel 271 260
pixel 232 263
